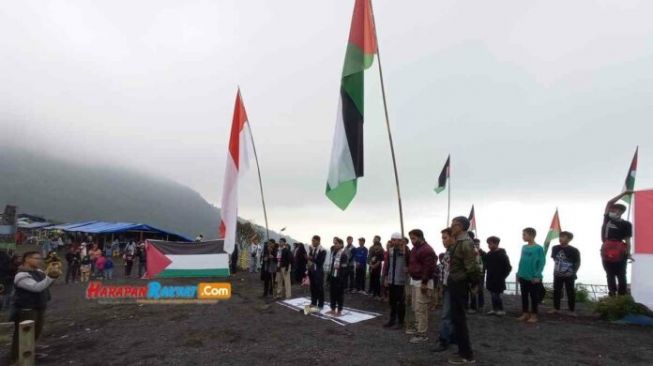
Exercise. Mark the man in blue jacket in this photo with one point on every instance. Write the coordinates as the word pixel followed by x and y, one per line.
pixel 360 265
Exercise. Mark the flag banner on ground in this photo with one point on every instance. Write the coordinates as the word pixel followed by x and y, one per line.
pixel 347 151
pixel 554 232
pixel 167 259
pixel 642 267
pixel 472 220
pixel 629 184
pixel 444 176
pixel 238 155
pixel 349 315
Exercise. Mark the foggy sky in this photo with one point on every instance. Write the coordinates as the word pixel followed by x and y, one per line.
pixel 540 103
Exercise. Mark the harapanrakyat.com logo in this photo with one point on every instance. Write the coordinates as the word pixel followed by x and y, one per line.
pixel 156 293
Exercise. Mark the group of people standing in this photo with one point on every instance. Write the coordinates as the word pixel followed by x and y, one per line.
pixel 413 277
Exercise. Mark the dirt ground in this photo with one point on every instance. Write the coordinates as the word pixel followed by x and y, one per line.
pixel 246 330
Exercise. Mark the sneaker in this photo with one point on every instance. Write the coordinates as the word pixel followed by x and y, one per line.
pixel 411 331
pixel 532 319
pixel 440 347
pixel 389 325
pixel 418 339
pixel 491 312
pixel 457 360
pixel 501 313
pixel 524 317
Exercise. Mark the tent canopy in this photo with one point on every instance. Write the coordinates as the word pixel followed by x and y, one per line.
pixel 102 227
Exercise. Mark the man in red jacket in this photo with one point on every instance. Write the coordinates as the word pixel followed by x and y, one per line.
pixel 420 268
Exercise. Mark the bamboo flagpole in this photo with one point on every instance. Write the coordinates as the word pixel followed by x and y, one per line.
pixel 260 183
pixel 387 122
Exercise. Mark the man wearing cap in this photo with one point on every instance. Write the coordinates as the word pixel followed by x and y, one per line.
pixel 463 272
pixel 615 252
pixel 421 267
pixel 360 263
pixel 395 280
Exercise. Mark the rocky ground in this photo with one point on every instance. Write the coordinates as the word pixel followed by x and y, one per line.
pixel 247 330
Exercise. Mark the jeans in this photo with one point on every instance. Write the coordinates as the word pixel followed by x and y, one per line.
pixel 458 297
pixel 252 264
pixel 446 324
pixel 569 283
pixel 72 273
pixel 528 291
pixel 108 273
pixel 497 303
pixel 477 300
pixel 397 295
pixel 268 283
pixel 616 271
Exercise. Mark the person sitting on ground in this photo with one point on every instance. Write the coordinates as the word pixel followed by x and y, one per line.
pixel 32 295
pixel 567 263
pixel 498 268
pixel 337 277
pixel 529 274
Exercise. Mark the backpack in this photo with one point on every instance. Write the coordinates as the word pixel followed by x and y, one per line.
pixel 613 251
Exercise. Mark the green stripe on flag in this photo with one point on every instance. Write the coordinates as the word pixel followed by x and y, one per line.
pixel 205 272
pixel 342 194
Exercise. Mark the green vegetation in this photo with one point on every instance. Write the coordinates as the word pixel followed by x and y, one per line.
pixel 615 308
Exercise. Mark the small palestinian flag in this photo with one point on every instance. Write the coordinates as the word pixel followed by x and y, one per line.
pixel 444 176
pixel 167 259
pixel 629 185
pixel 347 152
pixel 554 232
pixel 472 220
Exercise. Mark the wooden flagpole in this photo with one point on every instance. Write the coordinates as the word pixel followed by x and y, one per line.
pixel 387 122
pixel 260 183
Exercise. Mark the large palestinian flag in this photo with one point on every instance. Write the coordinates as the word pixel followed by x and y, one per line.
pixel 168 259
pixel 629 184
pixel 347 151
pixel 238 156
pixel 554 231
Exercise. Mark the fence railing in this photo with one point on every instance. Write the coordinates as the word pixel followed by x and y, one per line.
pixel 595 291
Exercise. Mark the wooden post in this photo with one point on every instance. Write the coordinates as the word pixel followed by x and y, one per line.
pixel 26 346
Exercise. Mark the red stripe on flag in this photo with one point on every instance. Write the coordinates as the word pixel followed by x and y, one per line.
pixel 362 32
pixel 156 261
pixel 644 222
pixel 237 124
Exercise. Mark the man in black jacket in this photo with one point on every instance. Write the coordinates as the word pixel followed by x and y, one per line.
pixel 498 268
pixel 567 263
pixel 32 295
pixel 316 257
pixel 284 268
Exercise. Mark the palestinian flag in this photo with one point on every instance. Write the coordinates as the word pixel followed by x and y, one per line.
pixel 238 155
pixel 554 232
pixel 444 176
pixel 168 259
pixel 347 152
pixel 472 221
pixel 629 184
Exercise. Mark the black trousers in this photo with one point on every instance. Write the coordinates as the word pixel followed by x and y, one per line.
pixel 128 268
pixel 397 297
pixel 317 288
pixel 569 284
pixel 458 299
pixel 360 277
pixel 268 283
pixel 616 272
pixel 37 315
pixel 375 283
pixel 337 292
pixel 528 291
pixel 351 278
pixel 71 273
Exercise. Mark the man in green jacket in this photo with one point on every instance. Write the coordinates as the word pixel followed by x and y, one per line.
pixel 463 272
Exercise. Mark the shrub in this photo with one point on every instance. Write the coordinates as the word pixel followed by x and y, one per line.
pixel 582 294
pixel 615 308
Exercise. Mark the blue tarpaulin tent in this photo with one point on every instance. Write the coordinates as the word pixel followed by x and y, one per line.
pixel 102 227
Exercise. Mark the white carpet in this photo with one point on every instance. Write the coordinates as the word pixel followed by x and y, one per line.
pixel 349 315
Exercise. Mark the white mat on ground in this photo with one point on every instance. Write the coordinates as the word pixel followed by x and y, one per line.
pixel 349 315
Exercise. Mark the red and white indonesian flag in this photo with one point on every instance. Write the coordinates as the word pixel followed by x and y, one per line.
pixel 642 271
pixel 238 155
